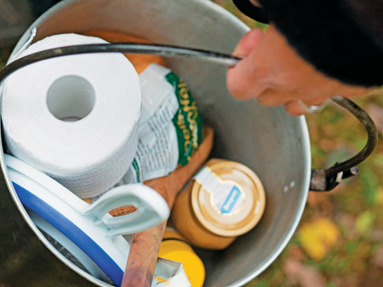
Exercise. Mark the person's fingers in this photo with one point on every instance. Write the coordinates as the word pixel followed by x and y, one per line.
pixel 272 98
pixel 301 101
pixel 242 79
pixel 298 108
pixel 294 108
pixel 247 43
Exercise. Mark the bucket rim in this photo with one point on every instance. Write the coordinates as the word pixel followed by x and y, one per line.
pixel 306 154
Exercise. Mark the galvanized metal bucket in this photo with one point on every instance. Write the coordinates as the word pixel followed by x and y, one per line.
pixel 268 140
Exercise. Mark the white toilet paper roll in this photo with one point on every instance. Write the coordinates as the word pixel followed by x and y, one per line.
pixel 75 117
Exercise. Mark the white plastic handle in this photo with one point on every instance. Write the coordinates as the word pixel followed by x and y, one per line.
pixel 173 272
pixel 152 209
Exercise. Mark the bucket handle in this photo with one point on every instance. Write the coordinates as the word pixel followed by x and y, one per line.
pixel 327 179
pixel 321 179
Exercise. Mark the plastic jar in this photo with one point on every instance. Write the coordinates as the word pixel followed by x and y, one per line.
pixel 224 200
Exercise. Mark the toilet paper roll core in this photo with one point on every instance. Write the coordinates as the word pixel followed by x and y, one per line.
pixel 71 98
pixel 75 117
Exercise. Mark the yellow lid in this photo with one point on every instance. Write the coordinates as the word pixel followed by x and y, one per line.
pixel 180 251
pixel 227 198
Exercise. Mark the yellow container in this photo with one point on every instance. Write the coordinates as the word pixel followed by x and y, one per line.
pixel 229 203
pixel 173 247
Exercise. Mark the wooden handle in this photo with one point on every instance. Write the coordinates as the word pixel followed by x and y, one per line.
pixel 145 245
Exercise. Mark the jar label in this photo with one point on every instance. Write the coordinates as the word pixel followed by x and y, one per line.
pixel 227 196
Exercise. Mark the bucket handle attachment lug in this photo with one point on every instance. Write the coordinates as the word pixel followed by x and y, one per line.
pixel 328 179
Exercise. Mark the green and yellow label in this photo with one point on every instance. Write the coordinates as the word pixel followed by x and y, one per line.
pixel 187 120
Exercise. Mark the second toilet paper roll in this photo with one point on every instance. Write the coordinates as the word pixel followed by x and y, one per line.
pixel 75 117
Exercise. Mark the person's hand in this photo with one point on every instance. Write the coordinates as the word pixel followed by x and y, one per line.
pixel 275 74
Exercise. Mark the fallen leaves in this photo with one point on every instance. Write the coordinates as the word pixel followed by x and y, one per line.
pixel 320 202
pixel 318 237
pixel 378 257
pixel 296 253
pixel 364 222
pixel 305 276
pixel 379 196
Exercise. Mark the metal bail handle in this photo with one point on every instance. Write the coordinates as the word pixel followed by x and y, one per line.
pixel 327 179
pixel 321 179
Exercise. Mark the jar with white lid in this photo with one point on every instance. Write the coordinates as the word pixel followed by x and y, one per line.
pixel 224 200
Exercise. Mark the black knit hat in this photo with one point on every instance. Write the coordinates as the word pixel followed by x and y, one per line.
pixel 341 38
